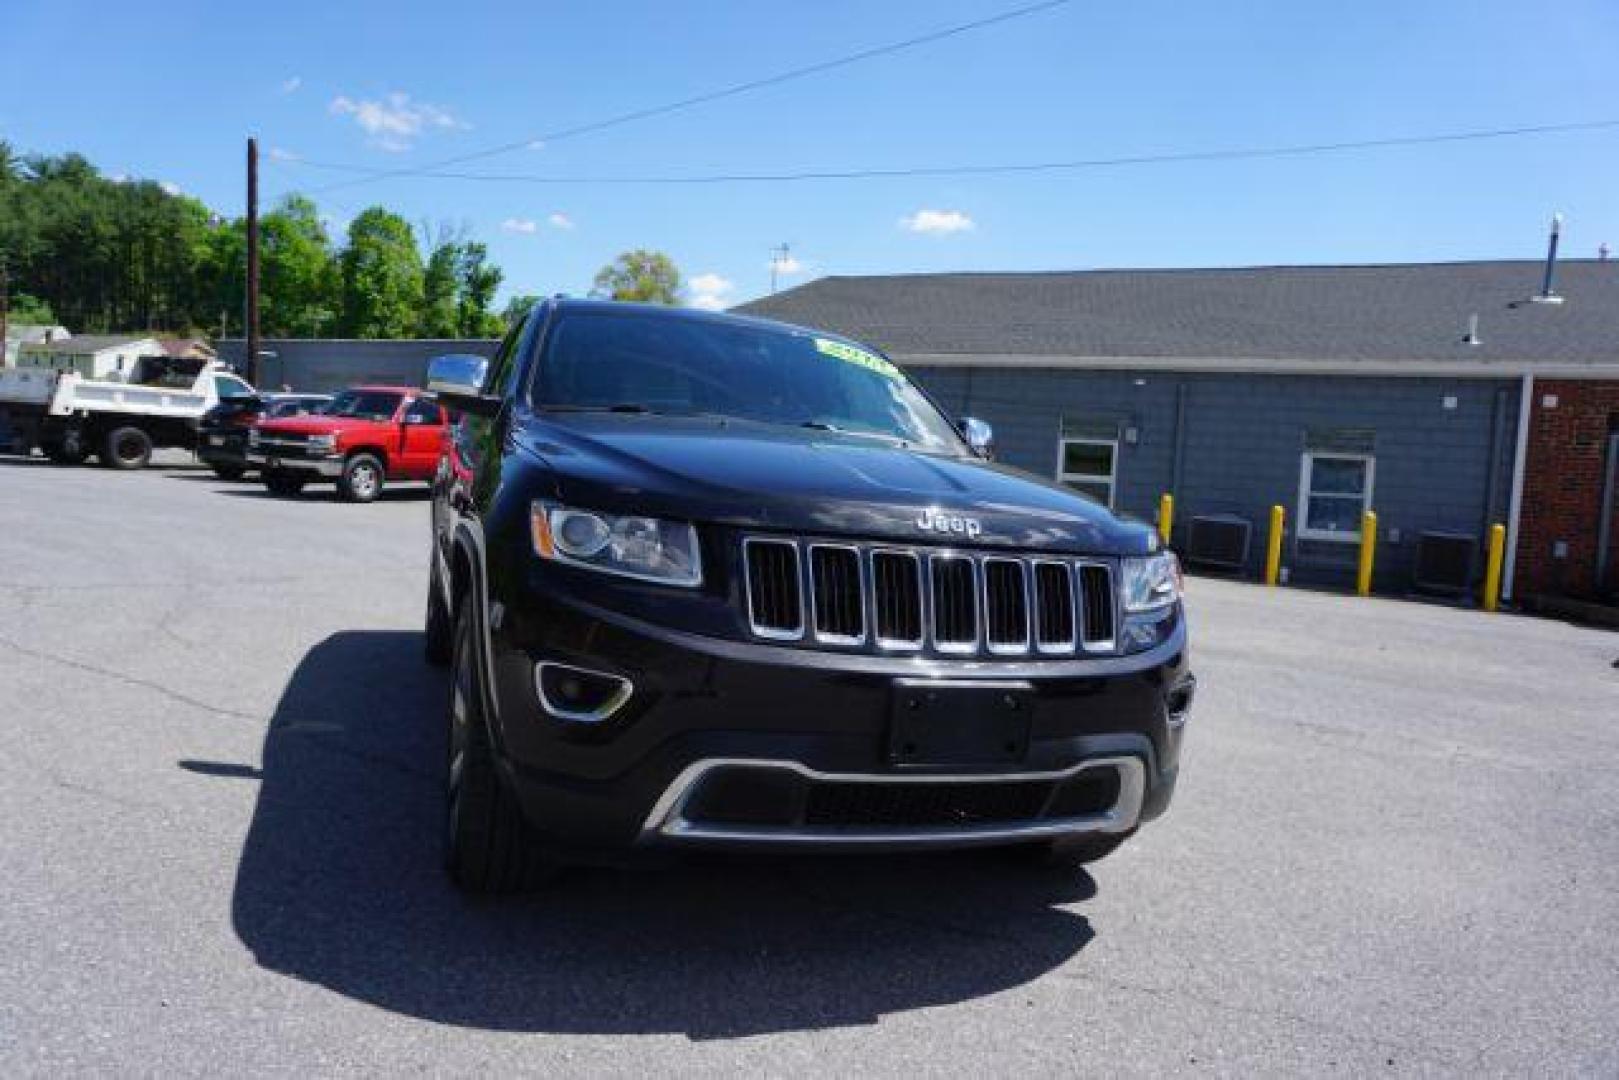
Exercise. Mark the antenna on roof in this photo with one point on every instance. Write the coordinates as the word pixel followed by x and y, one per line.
pixel 1602 251
pixel 1472 337
pixel 1546 296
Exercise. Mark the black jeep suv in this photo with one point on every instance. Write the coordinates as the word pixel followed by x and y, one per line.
pixel 713 581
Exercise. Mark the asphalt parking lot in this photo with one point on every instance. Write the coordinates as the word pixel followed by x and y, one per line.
pixel 1395 846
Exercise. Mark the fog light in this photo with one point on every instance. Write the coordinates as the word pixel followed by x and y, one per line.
pixel 1179 702
pixel 579 694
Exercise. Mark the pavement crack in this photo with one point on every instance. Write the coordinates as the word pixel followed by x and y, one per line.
pixel 128 680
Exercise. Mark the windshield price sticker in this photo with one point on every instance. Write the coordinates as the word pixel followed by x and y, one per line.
pixel 850 354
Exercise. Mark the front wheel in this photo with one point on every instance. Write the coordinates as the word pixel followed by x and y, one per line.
pixel 284 483
pixel 438 631
pixel 487 844
pixel 69 448
pixel 361 481
pixel 126 448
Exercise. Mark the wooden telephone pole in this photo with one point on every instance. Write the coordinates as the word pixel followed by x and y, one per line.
pixel 252 314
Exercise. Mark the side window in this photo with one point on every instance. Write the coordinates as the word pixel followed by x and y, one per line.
pixel 501 368
pixel 1334 491
pixel 424 412
pixel 227 387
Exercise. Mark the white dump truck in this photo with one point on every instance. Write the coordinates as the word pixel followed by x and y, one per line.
pixel 71 415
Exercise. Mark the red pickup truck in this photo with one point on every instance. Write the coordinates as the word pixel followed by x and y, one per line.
pixel 367 436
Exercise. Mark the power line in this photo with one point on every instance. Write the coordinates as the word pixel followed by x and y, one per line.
pixel 368 174
pixel 1228 154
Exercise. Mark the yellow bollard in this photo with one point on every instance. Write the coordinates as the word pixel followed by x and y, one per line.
pixel 1273 555
pixel 1492 569
pixel 1368 551
pixel 1166 516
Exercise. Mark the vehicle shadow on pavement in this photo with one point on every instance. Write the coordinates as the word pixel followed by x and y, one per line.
pixel 241 489
pixel 340 885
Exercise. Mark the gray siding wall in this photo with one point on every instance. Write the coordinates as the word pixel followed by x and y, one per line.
pixel 1243 438
pixel 325 365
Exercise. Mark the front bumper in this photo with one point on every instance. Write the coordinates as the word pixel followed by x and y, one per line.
pixel 329 466
pixel 222 448
pixel 810 731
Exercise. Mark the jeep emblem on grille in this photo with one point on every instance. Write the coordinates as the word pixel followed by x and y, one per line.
pixel 934 521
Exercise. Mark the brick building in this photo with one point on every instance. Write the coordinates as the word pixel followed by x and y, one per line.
pixel 1569 480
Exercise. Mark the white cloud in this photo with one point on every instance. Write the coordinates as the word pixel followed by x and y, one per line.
pixel 938 222
pixel 536 144
pixel 786 264
pixel 396 121
pixel 278 154
pixel 708 291
pixel 119 178
pixel 170 187
pixel 290 86
pixel 713 284
pixel 559 220
pixel 527 226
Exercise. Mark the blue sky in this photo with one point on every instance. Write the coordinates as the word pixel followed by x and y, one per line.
pixel 170 91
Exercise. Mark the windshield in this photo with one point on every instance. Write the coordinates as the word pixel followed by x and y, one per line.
pixel 364 404
pixel 635 362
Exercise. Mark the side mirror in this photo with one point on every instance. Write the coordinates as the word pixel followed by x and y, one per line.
pixel 456 381
pixel 980 437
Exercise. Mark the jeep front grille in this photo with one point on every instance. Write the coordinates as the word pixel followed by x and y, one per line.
pixel 892 599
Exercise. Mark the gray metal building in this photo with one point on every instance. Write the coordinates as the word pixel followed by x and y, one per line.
pixel 1326 390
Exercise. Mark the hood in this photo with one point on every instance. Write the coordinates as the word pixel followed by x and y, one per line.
pixel 762 476
pixel 317 425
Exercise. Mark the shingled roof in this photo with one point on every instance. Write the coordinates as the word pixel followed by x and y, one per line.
pixel 1408 312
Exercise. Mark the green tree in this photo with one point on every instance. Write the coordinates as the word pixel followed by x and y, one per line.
pixel 440 285
pixel 516 308
pixel 648 276
pixel 382 277
pixel 30 310
pixel 477 279
pixel 298 272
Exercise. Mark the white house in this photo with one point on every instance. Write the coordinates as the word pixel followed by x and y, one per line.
pixel 20 334
pixel 94 356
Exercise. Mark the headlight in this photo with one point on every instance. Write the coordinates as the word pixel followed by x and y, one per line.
pixel 323 442
pixel 1151 582
pixel 625 544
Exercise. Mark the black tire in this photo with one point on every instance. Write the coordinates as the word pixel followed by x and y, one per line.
pixel 283 482
pixel 230 472
pixel 1080 850
pixel 126 448
pixel 69 449
pixel 362 479
pixel 487 845
pixel 438 632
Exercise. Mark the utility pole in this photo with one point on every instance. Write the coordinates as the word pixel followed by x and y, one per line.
pixel 251 330
pixel 778 259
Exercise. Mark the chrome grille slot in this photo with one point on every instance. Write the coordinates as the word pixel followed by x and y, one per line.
pixel 887 597
pixel 775 595
pixel 896 581
pixel 955 603
pixel 1054 607
pixel 836 594
pixel 1006 606
pixel 1096 606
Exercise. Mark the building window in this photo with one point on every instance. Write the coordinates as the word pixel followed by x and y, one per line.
pixel 1090 467
pixel 1334 491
